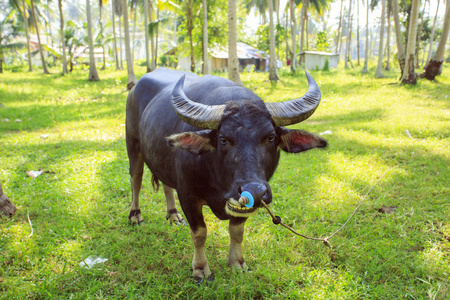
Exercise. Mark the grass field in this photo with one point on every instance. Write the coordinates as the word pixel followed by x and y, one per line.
pixel 74 130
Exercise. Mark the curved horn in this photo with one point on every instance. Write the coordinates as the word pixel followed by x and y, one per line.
pixel 194 113
pixel 297 110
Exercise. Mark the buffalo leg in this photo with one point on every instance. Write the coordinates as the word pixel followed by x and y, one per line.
pixel 172 212
pixel 194 216
pixel 236 230
pixel 136 171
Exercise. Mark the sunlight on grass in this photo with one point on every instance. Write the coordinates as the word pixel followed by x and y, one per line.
pixel 74 129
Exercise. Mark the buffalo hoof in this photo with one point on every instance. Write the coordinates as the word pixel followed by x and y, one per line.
pixel 199 280
pixel 135 217
pixel 175 218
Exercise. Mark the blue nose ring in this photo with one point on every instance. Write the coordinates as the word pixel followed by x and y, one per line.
pixel 249 196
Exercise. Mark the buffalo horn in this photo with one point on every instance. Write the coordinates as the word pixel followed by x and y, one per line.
pixel 297 110
pixel 194 113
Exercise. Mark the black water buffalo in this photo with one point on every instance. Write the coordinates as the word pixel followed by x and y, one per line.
pixel 211 140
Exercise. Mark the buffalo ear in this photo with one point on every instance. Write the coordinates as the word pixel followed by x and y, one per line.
pixel 196 142
pixel 294 141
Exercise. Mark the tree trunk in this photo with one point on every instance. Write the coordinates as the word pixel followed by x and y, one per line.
pixel 6 206
pixel 349 34
pixel 388 37
pixel 131 77
pixel 190 27
pixel 63 40
pixel 273 76
pixel 293 34
pixel 418 37
pixel 366 50
pixel 302 26
pixel 101 34
pixel 116 54
pixel 93 75
pixel 41 51
pixel 430 49
pixel 25 19
pixel 434 67
pixel 120 41
pixel 357 30
pixel 147 55
pixel 409 75
pixel 233 62
pixel 379 70
pixel 338 50
pixel 398 36
pixel 206 64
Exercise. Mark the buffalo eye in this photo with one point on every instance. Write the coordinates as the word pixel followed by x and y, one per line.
pixel 223 140
pixel 271 138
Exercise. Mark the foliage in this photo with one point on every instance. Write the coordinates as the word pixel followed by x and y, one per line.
pixel 323 41
pixel 80 207
pixel 263 37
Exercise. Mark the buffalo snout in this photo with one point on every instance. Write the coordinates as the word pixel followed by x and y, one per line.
pixel 259 190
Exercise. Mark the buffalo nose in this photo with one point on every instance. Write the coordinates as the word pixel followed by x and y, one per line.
pixel 259 191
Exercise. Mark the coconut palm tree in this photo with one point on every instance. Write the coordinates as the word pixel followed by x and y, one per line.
pixel 100 5
pixel 432 34
pixel 398 36
pixel 233 62
pixel 93 75
pixel 41 51
pixel 273 76
pixel 147 55
pixel 293 35
pixel 339 31
pixel 434 67
pixel 409 75
pixel 349 35
pixel 366 49
pixel 116 54
pixel 206 64
pixel 131 77
pixel 25 19
pixel 63 40
pixel 379 70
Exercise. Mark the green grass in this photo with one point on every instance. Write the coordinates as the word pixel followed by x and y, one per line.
pixel 81 207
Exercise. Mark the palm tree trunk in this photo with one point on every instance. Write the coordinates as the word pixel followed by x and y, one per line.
pixel 25 19
pixel 233 62
pixel 409 75
pixel 190 27
pixel 293 34
pixel 339 29
pixel 101 33
pixel 206 64
pixel 120 43
pixel 366 50
pixel 302 26
pixel 388 37
pixel 41 51
pixel 131 77
pixel 357 30
pixel 63 40
pixel 147 55
pixel 379 70
pixel 273 76
pixel 93 75
pixel 116 54
pixel 434 67
pixel 349 34
pixel 418 37
pixel 398 36
pixel 430 50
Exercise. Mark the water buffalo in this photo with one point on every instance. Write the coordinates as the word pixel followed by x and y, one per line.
pixel 211 140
